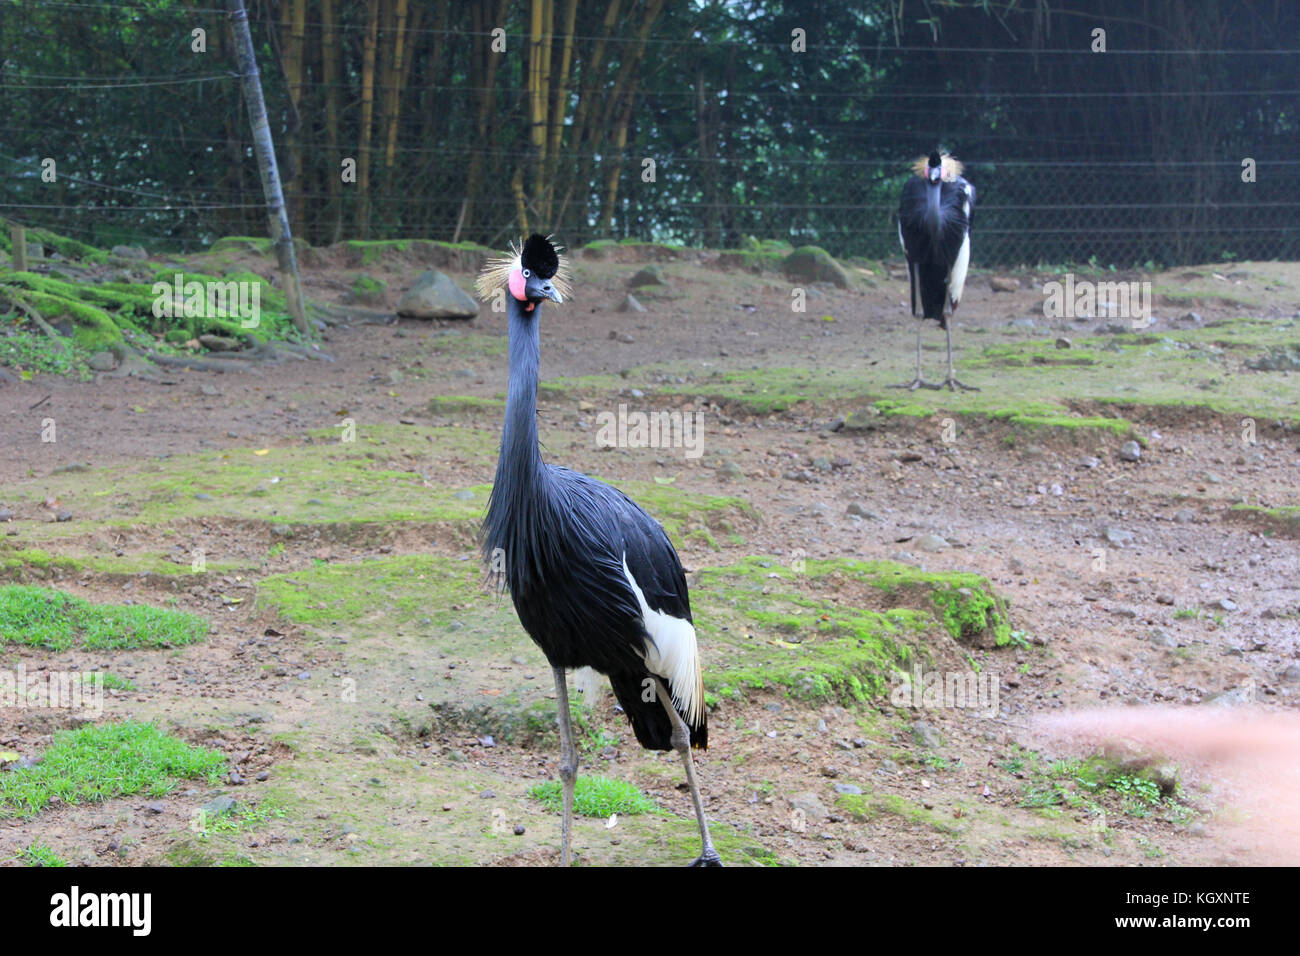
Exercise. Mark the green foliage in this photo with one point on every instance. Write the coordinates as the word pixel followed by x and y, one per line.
pixel 595 797
pixel 38 854
pixel 101 761
pixel 43 617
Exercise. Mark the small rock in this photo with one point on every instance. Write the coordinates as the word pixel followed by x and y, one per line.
pixel 1184 516
pixel 811 805
pixel 1118 537
pixel 1160 638
pixel 856 508
pixel 1064 343
pixel 102 362
pixel 1291 675
pixel 1223 604
pixel 847 788
pixel 219 806
pixel 220 343
pixel 1130 451
pixel 631 304
pixel 436 296
pixel 1004 284
pixel 155 807
pixel 520 830
pixel 931 542
pixel 730 470
pixel 926 735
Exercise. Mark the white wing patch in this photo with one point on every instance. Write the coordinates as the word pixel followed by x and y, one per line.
pixel 673 656
pixel 957 278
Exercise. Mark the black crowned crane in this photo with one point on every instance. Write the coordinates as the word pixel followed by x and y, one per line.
pixel 594 578
pixel 934 221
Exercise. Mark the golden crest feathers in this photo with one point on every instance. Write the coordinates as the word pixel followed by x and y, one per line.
pixel 495 273
pixel 952 168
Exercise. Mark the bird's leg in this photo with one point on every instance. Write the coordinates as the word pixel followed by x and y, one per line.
pixel 681 741
pixel 568 760
pixel 917 382
pixel 953 382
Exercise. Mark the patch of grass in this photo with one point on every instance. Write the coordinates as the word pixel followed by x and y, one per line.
pixel 38 854
pixel 452 404
pixel 1096 783
pixel 595 797
pixel 242 818
pixel 111 681
pixel 102 761
pixel 43 617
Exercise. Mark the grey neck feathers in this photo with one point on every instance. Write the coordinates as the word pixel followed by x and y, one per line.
pixel 520 464
pixel 933 216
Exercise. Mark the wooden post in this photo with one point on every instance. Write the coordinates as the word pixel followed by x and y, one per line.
pixel 18 243
pixel 275 209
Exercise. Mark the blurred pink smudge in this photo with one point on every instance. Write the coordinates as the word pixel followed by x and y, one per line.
pixel 1250 760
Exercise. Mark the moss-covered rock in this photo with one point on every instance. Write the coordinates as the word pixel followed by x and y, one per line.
pixel 815 264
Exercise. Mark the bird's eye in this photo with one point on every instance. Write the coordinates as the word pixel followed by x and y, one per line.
pixel 527 273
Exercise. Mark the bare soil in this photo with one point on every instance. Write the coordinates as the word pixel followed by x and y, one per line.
pixel 367 785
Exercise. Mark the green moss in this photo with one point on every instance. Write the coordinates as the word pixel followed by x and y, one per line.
pixel 868 807
pixel 367 286
pixel 767 635
pixel 452 404
pixel 400 590
pixel 1283 521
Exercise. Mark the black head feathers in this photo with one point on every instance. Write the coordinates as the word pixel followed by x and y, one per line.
pixel 540 257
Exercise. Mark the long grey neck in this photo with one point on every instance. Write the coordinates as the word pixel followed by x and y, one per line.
pixel 933 219
pixel 521 461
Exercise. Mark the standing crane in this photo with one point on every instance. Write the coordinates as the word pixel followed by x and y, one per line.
pixel 594 579
pixel 934 222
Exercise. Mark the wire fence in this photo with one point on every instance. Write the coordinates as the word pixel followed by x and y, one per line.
pixel 1033 205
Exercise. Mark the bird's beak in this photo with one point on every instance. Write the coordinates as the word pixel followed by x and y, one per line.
pixel 536 289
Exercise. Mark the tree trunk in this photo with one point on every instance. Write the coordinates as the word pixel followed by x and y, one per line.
pixel 367 115
pixel 281 235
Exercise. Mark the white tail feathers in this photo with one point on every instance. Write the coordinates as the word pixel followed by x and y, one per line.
pixel 590 684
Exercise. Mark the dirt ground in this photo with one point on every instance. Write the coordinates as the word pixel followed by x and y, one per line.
pixel 1128 583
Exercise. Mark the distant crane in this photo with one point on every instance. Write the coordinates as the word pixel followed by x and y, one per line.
pixel 594 579
pixel 934 222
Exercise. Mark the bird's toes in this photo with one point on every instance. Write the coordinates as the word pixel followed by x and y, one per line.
pixel 708 859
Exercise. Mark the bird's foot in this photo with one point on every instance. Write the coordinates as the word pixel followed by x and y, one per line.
pixel 708 858
pixel 955 383
pixel 914 384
